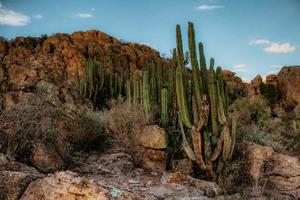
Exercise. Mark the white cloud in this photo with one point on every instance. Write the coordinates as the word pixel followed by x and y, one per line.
pixel 240 68
pixel 260 42
pixel 280 48
pixel 273 47
pixel 209 7
pixel 12 18
pixel 84 15
pixel 38 16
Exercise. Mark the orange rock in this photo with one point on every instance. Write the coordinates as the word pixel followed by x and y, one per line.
pixel 288 82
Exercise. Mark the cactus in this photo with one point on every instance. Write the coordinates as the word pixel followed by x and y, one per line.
pixel 213 97
pixel 164 107
pixel 209 146
pixel 180 89
pixel 194 63
pixel 203 68
pixel 146 98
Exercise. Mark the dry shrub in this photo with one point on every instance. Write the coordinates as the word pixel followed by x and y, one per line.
pixel 33 120
pixel 257 124
pixel 28 121
pixel 125 122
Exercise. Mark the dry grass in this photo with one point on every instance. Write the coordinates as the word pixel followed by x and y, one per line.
pixel 125 121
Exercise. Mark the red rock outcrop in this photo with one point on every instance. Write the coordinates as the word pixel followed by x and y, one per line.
pixel 275 174
pixel 288 82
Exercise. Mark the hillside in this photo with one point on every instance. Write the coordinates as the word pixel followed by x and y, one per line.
pixel 236 141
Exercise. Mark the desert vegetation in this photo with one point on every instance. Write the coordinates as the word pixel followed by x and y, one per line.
pixel 182 110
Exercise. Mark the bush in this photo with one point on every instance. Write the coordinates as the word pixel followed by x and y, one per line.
pixel 125 121
pixel 257 124
pixel 33 120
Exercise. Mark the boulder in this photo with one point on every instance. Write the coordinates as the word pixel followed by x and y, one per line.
pixel 45 158
pixel 153 137
pixel 255 86
pixel 65 185
pixel 154 159
pixel 14 178
pixel 271 80
pixel 288 82
pixel 278 174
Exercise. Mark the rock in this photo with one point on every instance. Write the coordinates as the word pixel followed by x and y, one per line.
pixel 255 86
pixel 237 87
pixel 15 177
pixel 288 82
pixel 280 172
pixel 183 165
pixel 65 185
pixel 153 137
pixel 46 159
pixel 271 80
pixel 3 159
pixel 154 159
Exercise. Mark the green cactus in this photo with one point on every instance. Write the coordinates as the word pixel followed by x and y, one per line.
pixel 146 97
pixel 164 107
pixel 180 89
pixel 194 62
pixel 203 68
pixel 213 98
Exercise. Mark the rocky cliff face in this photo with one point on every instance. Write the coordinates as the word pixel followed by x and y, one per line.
pixel 26 61
pixel 288 82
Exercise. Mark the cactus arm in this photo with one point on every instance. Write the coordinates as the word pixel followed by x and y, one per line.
pixel 186 147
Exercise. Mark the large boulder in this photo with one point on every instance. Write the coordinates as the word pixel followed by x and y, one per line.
pixel 275 174
pixel 65 185
pixel 14 178
pixel 153 137
pixel 288 82
pixel 154 141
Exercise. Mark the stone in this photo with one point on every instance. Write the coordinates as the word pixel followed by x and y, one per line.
pixel 255 86
pixel 153 137
pixel 271 79
pixel 65 185
pixel 281 172
pixel 288 82
pixel 14 178
pixel 46 159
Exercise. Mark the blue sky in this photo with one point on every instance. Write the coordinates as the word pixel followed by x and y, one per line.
pixel 246 36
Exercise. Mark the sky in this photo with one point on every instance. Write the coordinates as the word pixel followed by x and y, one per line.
pixel 249 37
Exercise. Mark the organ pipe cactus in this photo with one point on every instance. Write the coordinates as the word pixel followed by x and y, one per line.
pixel 164 107
pixel 146 97
pixel 209 145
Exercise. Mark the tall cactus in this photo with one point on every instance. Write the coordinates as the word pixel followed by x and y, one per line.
pixel 164 107
pixel 180 86
pixel 146 97
pixel 213 97
pixel 203 68
pixel 209 145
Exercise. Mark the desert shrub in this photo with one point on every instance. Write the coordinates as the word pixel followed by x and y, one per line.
pixel 271 92
pixel 125 121
pixel 28 121
pixel 87 130
pixel 257 124
pixel 251 110
pixel 33 120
